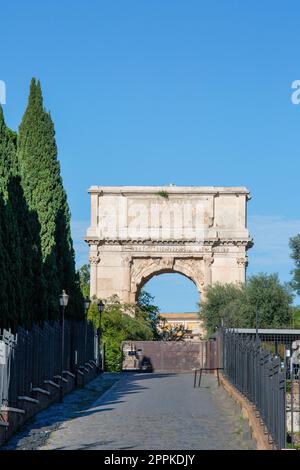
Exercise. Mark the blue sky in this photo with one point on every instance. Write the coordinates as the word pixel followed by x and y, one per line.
pixel 167 91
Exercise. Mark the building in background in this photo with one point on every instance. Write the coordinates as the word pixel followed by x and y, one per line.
pixel 189 321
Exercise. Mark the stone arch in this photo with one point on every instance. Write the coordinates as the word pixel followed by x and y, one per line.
pixel 143 269
pixel 139 232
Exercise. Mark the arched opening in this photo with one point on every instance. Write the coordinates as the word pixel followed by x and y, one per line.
pixel 173 292
pixel 177 297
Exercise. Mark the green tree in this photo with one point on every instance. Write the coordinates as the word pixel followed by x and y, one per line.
pixel 295 255
pixel 84 279
pixel 171 332
pixel 45 195
pixel 295 317
pixel 22 282
pixel 146 305
pixel 273 299
pixel 235 305
pixel 120 322
pixel 7 297
pixel 217 306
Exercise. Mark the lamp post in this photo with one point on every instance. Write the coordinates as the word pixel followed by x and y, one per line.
pixel 101 307
pixel 63 301
pixel 87 304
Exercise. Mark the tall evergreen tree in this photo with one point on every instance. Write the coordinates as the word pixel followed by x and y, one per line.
pixel 22 276
pixel 44 193
pixel 5 275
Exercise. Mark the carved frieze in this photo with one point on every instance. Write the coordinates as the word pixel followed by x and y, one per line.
pixel 192 268
pixel 143 268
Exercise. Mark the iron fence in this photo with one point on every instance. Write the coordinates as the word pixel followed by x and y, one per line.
pixel 259 375
pixel 28 358
pixel 280 342
pixel 284 344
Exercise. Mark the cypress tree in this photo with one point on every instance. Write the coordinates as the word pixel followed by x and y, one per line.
pixel 44 193
pixel 5 275
pixel 22 294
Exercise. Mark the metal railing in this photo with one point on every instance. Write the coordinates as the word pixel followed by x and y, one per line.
pixel 260 376
pixel 293 406
pixel 28 358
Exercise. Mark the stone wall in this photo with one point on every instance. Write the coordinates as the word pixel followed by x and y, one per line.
pixel 11 418
pixel 164 356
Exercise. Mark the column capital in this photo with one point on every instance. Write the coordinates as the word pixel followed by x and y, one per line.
pixel 208 259
pixel 242 261
pixel 126 260
pixel 94 259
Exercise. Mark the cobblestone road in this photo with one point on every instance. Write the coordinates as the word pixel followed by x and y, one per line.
pixel 150 411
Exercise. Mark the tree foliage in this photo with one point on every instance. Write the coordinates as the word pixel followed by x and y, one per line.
pixel 45 195
pixel 124 322
pixel 151 311
pixel 22 288
pixel 235 305
pixel 84 280
pixel 36 252
pixel 295 321
pixel 119 322
pixel 295 255
pixel 167 332
pixel 8 291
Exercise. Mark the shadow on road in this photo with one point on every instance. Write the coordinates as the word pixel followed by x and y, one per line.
pixel 84 402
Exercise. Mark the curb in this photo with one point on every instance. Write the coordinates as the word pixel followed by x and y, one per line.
pixel 95 403
pixel 257 431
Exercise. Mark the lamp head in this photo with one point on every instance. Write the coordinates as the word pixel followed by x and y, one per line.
pixel 87 303
pixel 63 299
pixel 101 306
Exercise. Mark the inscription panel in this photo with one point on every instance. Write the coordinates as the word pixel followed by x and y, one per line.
pixel 155 217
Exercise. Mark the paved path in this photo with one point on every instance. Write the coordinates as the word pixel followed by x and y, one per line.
pixel 37 430
pixel 153 412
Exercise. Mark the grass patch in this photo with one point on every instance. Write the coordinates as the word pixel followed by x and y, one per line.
pixel 163 194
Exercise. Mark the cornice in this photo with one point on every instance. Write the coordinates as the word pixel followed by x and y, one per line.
pixel 155 190
pixel 246 242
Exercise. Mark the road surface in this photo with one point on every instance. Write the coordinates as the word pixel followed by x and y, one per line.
pixel 141 411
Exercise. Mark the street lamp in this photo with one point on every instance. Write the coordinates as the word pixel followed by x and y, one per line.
pixel 63 302
pixel 87 304
pixel 101 307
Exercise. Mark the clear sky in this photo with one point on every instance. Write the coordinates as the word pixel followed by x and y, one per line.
pixel 167 91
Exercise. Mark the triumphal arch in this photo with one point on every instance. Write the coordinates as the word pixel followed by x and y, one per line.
pixel 137 232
